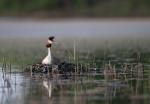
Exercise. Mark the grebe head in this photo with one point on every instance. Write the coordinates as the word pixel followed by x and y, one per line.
pixel 50 41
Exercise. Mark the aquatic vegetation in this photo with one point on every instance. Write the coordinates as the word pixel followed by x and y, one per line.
pixel 31 51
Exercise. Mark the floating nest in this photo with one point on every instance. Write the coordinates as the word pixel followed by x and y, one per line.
pixel 62 68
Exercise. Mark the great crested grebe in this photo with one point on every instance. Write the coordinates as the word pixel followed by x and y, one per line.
pixel 48 59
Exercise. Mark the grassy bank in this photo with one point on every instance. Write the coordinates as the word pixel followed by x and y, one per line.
pixel 92 51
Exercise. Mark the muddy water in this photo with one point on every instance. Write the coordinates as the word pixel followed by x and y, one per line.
pixel 21 88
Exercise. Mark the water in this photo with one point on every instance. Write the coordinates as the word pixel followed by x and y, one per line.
pixel 75 27
pixel 21 88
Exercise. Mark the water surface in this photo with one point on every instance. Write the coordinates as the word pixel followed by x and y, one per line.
pixel 21 88
pixel 75 27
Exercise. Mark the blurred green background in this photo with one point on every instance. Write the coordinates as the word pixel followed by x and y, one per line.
pixel 75 8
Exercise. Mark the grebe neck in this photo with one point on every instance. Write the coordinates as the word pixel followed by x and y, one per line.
pixel 49 52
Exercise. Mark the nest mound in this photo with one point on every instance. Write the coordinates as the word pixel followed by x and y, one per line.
pixel 61 68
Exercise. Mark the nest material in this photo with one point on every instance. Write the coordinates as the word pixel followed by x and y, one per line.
pixel 61 68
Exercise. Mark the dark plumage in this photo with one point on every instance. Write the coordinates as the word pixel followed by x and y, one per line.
pixel 51 38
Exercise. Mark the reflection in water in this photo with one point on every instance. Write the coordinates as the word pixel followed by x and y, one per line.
pixel 23 89
pixel 48 86
pixel 6 88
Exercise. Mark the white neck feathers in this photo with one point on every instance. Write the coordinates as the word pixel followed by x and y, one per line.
pixel 49 52
pixel 47 59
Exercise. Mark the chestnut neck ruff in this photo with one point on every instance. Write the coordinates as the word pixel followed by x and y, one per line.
pixel 49 45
